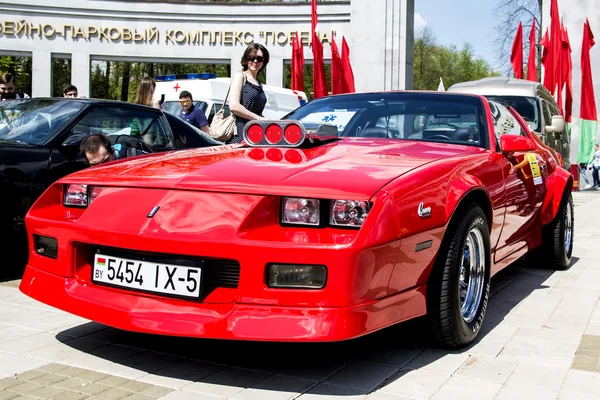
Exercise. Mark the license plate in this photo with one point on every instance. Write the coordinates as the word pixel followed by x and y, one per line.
pixel 174 280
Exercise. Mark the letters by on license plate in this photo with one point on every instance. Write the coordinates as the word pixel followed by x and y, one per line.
pixel 175 280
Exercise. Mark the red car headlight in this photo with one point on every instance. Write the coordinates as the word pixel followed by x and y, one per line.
pixel 298 211
pixel 75 195
pixel 350 213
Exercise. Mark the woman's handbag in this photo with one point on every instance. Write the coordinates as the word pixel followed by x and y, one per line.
pixel 223 128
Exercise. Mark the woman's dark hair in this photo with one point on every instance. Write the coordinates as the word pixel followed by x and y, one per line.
pixel 251 51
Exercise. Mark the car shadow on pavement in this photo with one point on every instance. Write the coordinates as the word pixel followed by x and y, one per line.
pixel 354 367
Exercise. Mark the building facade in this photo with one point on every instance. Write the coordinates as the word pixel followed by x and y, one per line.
pixel 379 33
pixel 573 14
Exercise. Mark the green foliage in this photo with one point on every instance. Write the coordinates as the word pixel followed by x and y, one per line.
pixel 21 68
pixel 61 75
pixel 120 80
pixel 453 65
pixel 308 78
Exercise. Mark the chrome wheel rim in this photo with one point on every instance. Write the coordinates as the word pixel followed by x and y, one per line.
pixel 568 239
pixel 471 276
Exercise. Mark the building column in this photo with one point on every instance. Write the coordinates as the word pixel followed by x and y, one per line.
pixel 235 65
pixel 275 72
pixel 80 73
pixel 41 74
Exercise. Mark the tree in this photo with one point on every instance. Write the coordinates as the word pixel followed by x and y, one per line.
pixel 453 65
pixel 20 67
pixel 509 14
pixel 61 75
pixel 424 49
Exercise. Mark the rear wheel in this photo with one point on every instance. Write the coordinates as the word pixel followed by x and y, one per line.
pixel 459 286
pixel 557 238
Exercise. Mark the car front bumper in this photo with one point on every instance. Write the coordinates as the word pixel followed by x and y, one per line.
pixel 130 311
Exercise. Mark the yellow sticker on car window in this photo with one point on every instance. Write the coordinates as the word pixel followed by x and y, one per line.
pixel 535 169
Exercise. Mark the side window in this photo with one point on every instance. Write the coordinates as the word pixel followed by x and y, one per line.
pixel 504 122
pixel 188 136
pixel 109 121
pixel 547 114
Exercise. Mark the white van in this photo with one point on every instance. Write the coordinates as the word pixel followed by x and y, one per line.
pixel 533 101
pixel 209 92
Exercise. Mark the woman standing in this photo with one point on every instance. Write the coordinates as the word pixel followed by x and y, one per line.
pixel 145 93
pixel 140 127
pixel 247 99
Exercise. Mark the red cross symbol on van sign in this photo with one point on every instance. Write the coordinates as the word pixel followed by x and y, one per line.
pixel 176 87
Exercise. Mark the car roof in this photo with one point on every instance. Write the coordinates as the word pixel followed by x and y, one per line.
pixel 499 86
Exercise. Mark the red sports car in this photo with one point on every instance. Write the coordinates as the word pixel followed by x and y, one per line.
pixel 354 213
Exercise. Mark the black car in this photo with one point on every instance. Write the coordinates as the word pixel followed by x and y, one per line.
pixel 39 143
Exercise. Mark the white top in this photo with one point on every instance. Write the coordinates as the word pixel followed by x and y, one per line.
pixel 596 162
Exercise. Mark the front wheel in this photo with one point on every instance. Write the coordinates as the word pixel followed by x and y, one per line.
pixel 459 285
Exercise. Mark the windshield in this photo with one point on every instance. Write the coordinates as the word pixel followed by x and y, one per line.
pixel 401 115
pixel 174 107
pixel 33 121
pixel 527 107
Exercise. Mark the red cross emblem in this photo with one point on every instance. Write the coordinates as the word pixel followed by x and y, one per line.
pixel 176 87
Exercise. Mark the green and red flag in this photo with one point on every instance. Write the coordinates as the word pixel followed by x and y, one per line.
pixel 589 118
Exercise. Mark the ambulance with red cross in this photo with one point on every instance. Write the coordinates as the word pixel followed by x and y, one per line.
pixel 208 93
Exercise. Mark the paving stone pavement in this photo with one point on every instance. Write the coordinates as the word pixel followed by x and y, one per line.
pixel 540 340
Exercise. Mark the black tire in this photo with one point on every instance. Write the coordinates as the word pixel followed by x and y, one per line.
pixel 557 237
pixel 452 326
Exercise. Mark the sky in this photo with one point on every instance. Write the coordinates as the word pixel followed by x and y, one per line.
pixel 460 21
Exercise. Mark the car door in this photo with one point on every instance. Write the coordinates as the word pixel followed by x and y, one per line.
pixel 525 189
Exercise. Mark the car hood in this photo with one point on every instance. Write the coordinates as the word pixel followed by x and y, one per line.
pixel 348 168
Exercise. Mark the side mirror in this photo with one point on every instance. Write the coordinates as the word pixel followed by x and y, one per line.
pixel 513 143
pixel 70 147
pixel 558 124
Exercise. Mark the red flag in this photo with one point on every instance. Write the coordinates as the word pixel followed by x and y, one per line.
pixel 516 56
pixel 555 45
pixel 531 66
pixel 297 64
pixel 588 104
pixel 336 69
pixel 547 61
pixel 319 77
pixel 561 73
pixel 568 71
pixel 348 75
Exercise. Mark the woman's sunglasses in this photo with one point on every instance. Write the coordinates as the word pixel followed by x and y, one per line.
pixel 256 59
